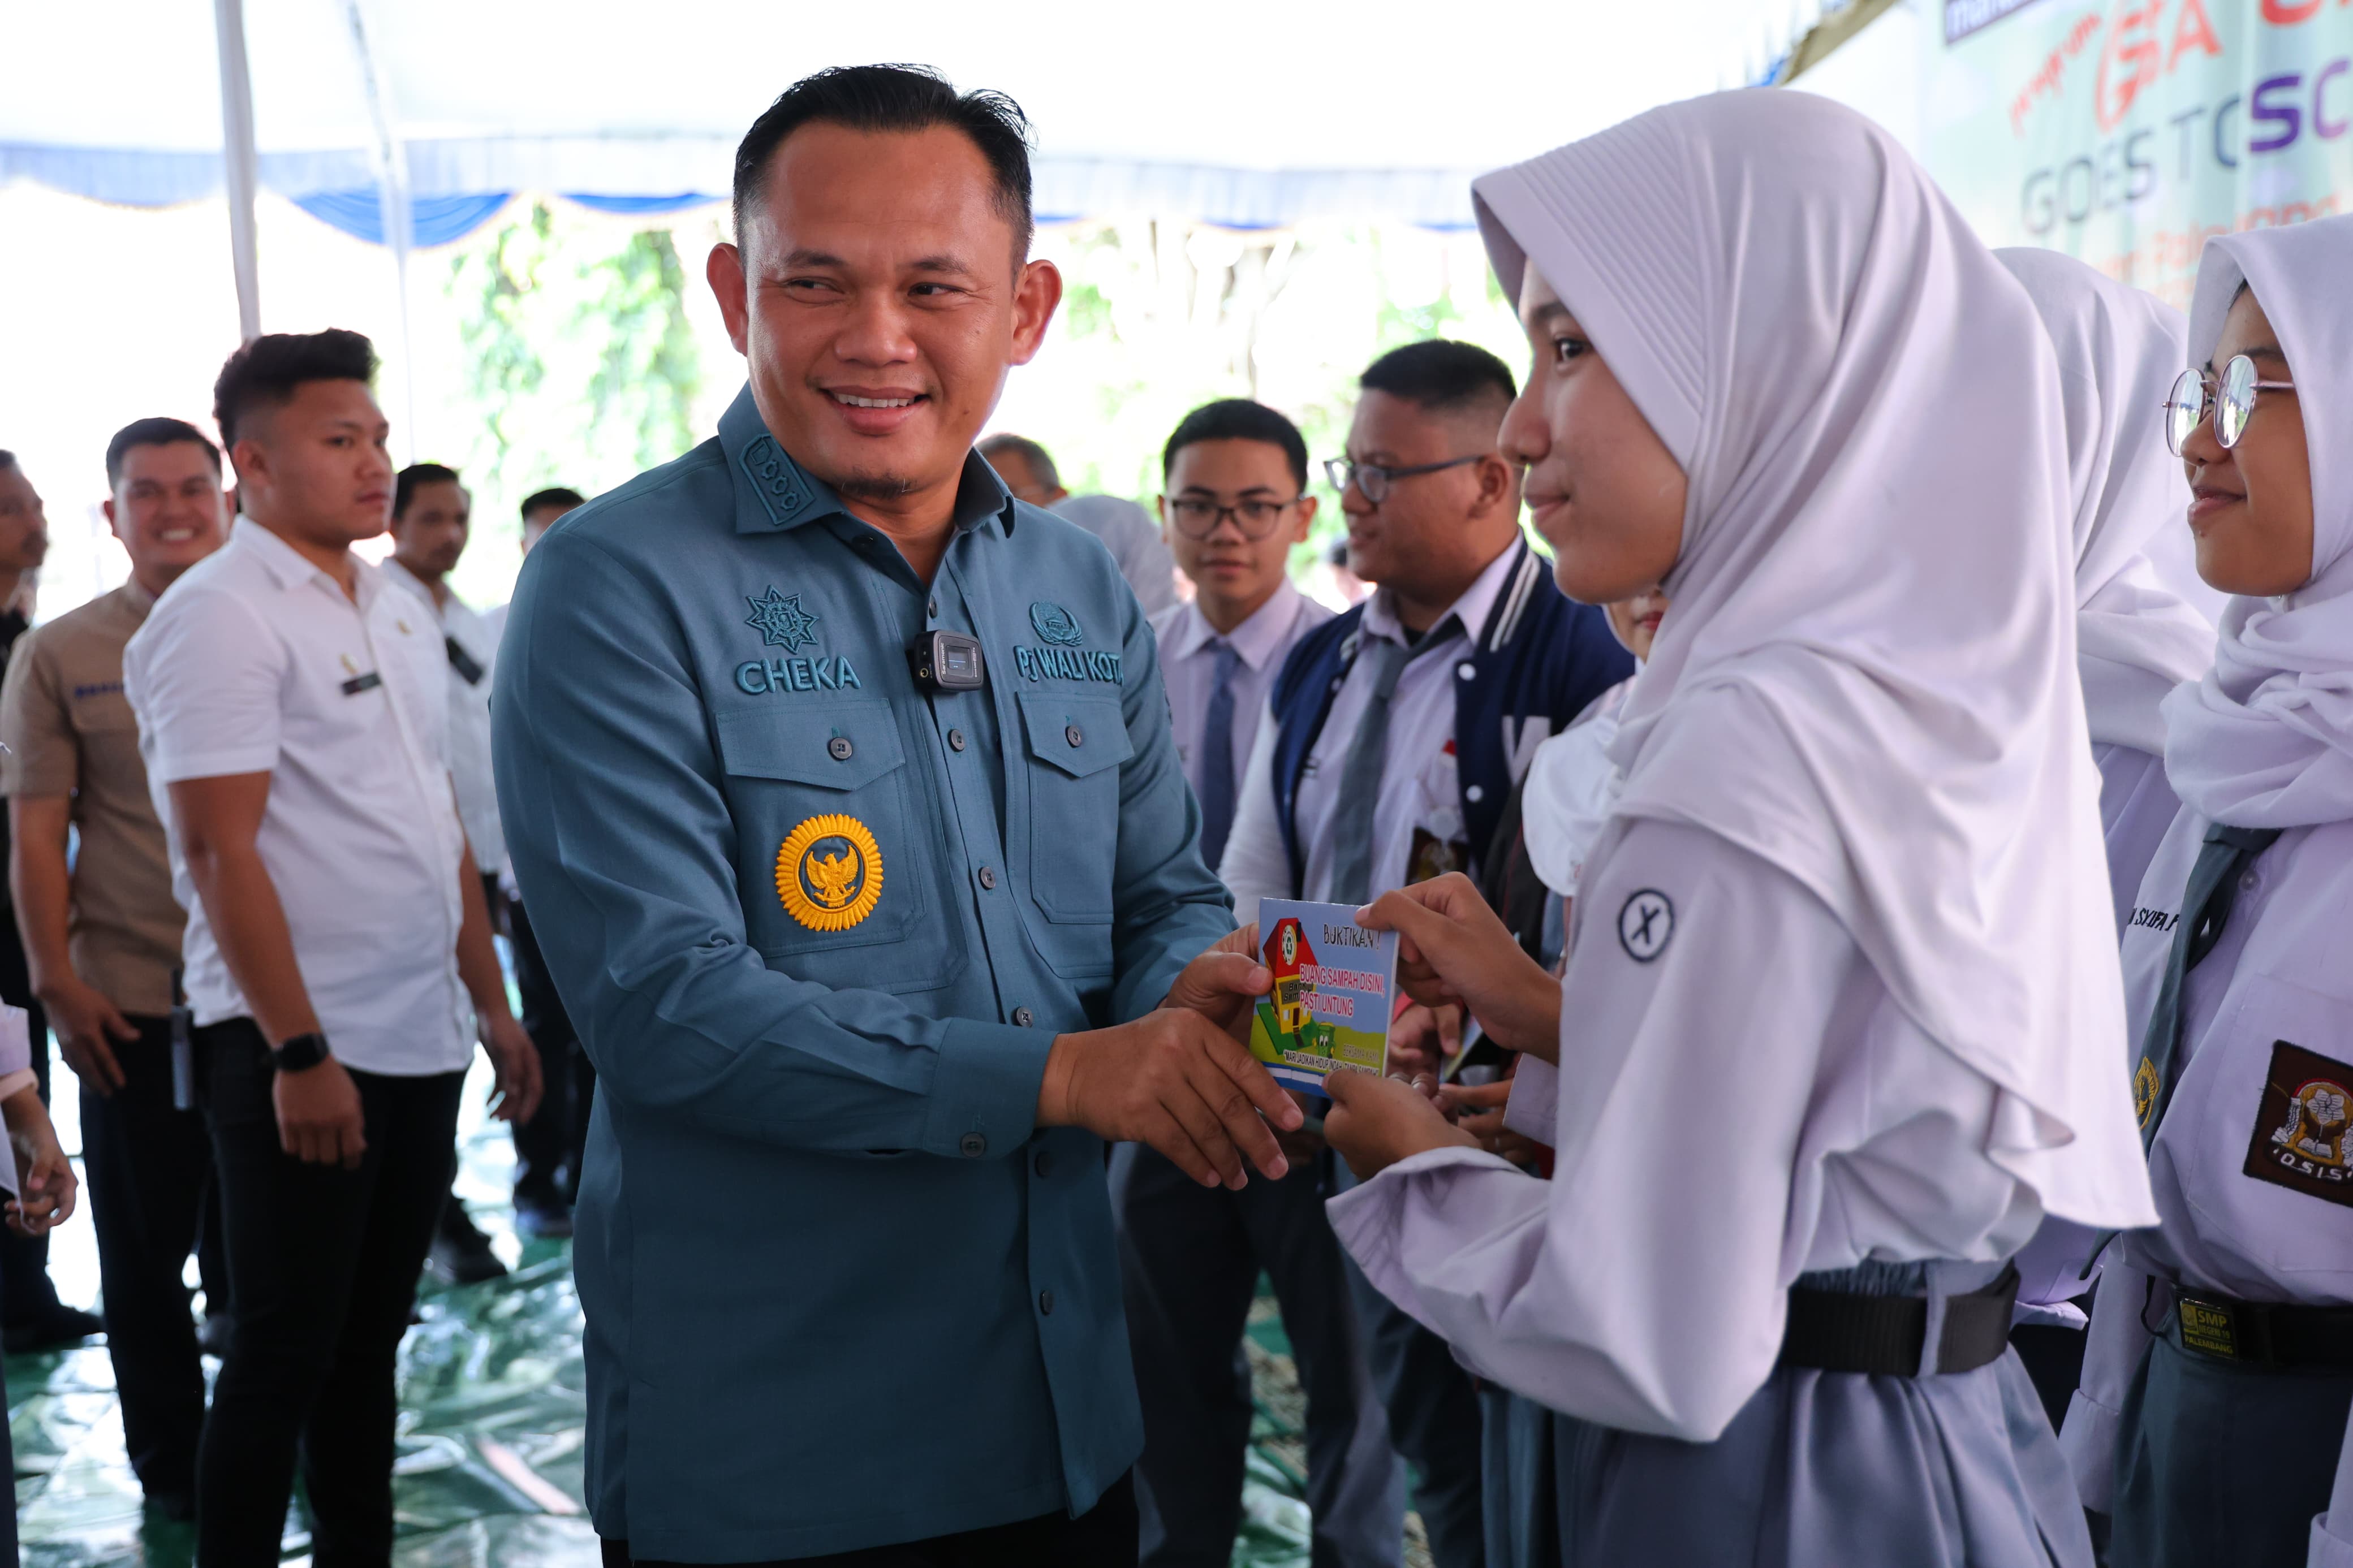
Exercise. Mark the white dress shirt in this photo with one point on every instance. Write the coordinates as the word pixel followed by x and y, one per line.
pixel 2277 980
pixel 1740 1101
pixel 256 662
pixel 1420 785
pixel 1188 667
pixel 470 716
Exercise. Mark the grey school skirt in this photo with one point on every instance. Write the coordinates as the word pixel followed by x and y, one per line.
pixel 1819 1470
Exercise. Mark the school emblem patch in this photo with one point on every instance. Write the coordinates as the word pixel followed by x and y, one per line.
pixel 1644 924
pixel 781 621
pixel 1055 624
pixel 830 872
pixel 2144 1087
pixel 2301 1137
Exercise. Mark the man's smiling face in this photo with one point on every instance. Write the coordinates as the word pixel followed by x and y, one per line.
pixel 882 303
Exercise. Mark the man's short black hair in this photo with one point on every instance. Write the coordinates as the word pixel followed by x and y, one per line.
pixel 162 432
pixel 7 460
pixel 1040 464
pixel 264 372
pixel 895 98
pixel 403 484
pixel 554 495
pixel 1442 376
pixel 1238 419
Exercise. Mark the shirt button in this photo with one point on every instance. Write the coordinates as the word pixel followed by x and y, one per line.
pixel 1466 669
pixel 1024 1018
pixel 1475 794
pixel 972 1145
pixel 988 877
pixel 838 748
pixel 1072 733
pixel 955 740
pixel 2247 882
pixel 932 608
pixel 1044 1164
pixel 1046 1303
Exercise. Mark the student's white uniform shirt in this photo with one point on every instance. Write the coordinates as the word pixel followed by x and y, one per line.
pixel 1188 667
pixel 256 662
pixel 1766 1142
pixel 2278 982
pixel 1420 784
pixel 469 717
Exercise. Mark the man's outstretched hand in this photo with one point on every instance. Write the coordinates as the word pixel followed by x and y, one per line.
pixel 1176 1080
pixel 1222 983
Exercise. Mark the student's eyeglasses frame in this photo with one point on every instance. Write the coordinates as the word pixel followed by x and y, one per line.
pixel 1373 480
pixel 2230 397
pixel 1197 517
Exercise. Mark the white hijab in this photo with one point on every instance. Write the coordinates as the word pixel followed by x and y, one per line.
pixel 2119 350
pixel 2266 739
pixel 1572 787
pixel 1873 609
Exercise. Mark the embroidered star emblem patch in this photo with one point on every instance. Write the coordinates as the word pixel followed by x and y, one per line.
pixel 781 620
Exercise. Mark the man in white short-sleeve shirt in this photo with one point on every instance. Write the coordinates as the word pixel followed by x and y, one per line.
pixel 293 717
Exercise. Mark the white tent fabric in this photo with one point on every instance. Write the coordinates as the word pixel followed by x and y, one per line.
pixel 1228 112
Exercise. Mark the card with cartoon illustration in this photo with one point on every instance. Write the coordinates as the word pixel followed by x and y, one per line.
pixel 1335 991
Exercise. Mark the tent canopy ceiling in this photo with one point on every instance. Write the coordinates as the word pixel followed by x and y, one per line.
pixel 1233 112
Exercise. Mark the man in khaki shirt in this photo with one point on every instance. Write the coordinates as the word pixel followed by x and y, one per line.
pixel 103 940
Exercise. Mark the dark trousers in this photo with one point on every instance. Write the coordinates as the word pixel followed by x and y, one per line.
pixel 1102 1537
pixel 8 1554
pixel 548 1146
pixel 1434 1416
pixel 1189 1261
pixel 26 1294
pixel 322 1267
pixel 150 1171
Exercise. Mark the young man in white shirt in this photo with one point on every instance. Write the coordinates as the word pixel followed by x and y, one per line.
pixel 1396 734
pixel 432 515
pixel 1236 477
pixel 292 715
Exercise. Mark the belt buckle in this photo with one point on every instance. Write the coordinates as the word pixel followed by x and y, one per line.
pixel 2212 1327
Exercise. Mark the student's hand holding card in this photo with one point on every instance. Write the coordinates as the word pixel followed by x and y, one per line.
pixel 1453 949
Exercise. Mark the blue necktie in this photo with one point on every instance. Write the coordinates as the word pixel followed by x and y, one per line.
pixel 1381 662
pixel 1217 758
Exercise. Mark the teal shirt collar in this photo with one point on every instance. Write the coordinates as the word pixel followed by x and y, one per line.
pixel 773 493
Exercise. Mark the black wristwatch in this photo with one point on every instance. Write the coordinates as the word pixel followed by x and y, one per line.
pixel 297 1052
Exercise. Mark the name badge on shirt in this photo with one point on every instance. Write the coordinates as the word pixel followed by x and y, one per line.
pixel 2304 1128
pixel 359 683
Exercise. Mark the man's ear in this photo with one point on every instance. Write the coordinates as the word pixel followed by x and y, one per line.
pixel 1499 486
pixel 1037 293
pixel 724 270
pixel 1307 520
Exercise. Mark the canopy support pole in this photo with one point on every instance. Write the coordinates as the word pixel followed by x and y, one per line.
pixel 391 160
pixel 241 164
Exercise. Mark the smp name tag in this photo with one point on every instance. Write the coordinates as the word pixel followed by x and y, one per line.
pixel 359 683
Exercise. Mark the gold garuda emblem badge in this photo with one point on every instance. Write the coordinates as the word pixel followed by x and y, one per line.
pixel 830 872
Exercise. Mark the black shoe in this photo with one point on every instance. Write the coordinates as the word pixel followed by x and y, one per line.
pixel 214 1334
pixel 61 1327
pixel 461 1253
pixel 542 1218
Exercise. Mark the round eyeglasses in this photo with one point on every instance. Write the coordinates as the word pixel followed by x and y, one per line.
pixel 1373 482
pixel 2233 402
pixel 1197 517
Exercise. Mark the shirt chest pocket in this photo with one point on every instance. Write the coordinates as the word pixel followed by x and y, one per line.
pixel 829 856
pixel 2277 1124
pixel 1076 744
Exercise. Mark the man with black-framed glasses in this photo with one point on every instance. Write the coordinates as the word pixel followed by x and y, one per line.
pixel 1396 733
pixel 1235 474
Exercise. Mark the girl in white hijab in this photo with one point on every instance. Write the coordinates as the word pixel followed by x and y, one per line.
pixel 1843 1009
pixel 2220 1370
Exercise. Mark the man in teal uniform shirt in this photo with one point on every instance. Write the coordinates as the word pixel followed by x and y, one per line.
pixel 841 791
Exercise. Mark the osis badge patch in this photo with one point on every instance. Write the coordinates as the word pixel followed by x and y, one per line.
pixel 1645 923
pixel 2303 1138
pixel 830 872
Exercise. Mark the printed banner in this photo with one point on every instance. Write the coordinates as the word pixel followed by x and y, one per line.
pixel 2128 132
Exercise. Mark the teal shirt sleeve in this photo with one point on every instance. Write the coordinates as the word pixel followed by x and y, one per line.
pixel 609 776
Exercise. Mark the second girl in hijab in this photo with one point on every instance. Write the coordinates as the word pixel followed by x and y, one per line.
pixel 1841 1019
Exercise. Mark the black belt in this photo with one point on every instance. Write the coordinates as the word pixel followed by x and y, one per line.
pixel 1833 1330
pixel 2262 1334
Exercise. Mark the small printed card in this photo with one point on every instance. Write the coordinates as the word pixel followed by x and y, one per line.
pixel 1334 990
